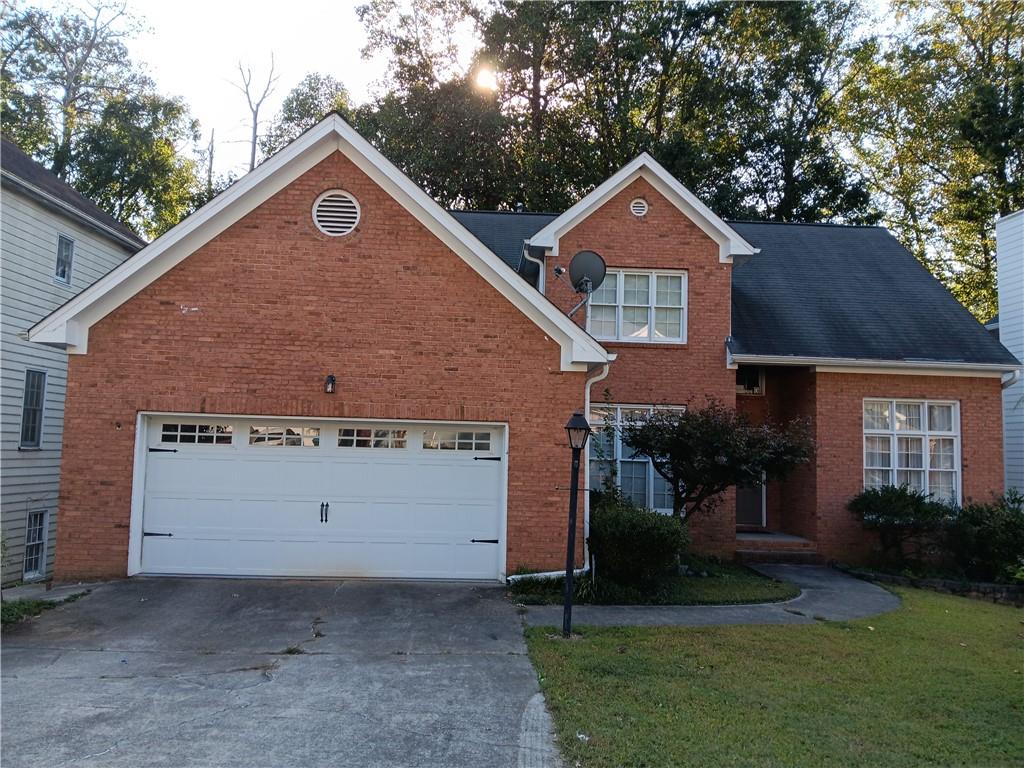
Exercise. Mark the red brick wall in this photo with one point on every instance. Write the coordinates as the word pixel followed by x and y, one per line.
pixel 410 330
pixel 662 373
pixel 840 462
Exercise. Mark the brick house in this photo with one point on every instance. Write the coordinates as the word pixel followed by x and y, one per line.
pixel 322 372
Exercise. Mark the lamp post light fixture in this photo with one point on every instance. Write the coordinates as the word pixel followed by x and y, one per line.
pixel 330 384
pixel 579 430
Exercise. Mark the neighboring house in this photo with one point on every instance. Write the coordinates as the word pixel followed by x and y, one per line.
pixel 1009 327
pixel 323 373
pixel 53 243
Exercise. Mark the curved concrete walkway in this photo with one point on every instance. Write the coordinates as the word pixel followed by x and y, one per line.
pixel 825 594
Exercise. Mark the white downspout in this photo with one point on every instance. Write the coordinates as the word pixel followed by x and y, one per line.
pixel 1009 379
pixel 586 465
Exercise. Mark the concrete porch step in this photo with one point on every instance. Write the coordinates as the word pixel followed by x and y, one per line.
pixel 791 556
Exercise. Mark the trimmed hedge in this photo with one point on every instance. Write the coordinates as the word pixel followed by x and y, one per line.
pixel 987 540
pixel 632 546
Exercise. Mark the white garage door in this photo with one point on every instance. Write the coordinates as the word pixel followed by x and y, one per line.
pixel 267 497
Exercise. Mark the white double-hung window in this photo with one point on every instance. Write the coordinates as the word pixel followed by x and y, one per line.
pixel 611 458
pixel 639 306
pixel 915 443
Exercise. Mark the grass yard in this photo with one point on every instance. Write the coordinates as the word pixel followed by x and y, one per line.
pixel 938 683
pixel 725 583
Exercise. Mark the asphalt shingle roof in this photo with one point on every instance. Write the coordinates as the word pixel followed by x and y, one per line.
pixel 819 290
pixel 816 291
pixel 504 231
pixel 23 167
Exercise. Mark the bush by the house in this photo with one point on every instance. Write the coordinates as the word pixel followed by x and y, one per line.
pixel 903 517
pixel 986 541
pixel 630 545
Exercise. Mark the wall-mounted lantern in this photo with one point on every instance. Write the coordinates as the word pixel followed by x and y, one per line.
pixel 330 384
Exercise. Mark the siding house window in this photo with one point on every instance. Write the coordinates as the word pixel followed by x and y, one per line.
pixel 35 545
pixel 635 475
pixel 915 443
pixel 32 409
pixel 65 257
pixel 639 306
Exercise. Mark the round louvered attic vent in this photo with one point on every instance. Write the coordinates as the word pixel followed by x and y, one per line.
pixel 638 207
pixel 336 213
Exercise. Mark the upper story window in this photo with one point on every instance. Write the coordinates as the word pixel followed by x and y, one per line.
pixel 749 380
pixel 914 443
pixel 639 306
pixel 32 409
pixel 65 257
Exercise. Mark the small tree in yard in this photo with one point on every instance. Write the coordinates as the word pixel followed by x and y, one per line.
pixel 702 452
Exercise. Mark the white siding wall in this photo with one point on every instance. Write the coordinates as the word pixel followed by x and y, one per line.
pixel 1010 250
pixel 28 292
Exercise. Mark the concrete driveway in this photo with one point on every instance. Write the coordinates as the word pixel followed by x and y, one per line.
pixel 215 672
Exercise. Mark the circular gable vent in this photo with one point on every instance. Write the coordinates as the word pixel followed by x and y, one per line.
pixel 336 213
pixel 638 207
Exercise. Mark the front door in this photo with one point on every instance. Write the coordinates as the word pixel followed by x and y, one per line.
pixel 750 506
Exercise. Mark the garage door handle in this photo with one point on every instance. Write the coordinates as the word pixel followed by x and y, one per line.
pixel 487 458
pixel 147 533
pixel 321 512
pixel 327 509
pixel 163 450
pixel 483 541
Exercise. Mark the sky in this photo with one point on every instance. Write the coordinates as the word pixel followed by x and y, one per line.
pixel 192 49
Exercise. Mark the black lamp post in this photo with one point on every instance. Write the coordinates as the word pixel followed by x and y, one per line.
pixel 579 430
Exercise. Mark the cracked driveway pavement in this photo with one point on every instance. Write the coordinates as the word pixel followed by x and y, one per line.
pixel 217 672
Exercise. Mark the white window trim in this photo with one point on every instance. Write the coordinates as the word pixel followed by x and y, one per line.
pixel 41 573
pixel 617 448
pixel 652 275
pixel 42 410
pixel 56 262
pixel 893 434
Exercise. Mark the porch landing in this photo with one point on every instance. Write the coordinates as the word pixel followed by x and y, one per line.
pixel 774 547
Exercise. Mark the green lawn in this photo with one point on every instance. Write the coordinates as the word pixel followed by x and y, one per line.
pixel 725 583
pixel 938 683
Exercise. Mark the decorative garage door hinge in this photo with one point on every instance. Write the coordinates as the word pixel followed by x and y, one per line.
pixel 163 450
pixel 483 541
pixel 147 533
pixel 487 458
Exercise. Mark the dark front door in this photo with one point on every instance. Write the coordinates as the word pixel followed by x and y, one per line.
pixel 750 506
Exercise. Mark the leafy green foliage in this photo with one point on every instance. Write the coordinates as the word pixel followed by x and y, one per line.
pixel 703 451
pixel 935 117
pixel 129 164
pixel 74 99
pixel 986 541
pixel 14 611
pixel 936 683
pixel 633 546
pixel 901 516
pixel 306 104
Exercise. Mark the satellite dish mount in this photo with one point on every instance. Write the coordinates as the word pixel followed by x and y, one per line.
pixel 586 273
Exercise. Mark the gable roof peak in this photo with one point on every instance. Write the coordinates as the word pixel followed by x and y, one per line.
pixel 644 166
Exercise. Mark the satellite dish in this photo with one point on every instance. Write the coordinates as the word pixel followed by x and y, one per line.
pixel 586 272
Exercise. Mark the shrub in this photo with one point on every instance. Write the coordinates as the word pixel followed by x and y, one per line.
pixel 901 515
pixel 633 546
pixel 986 541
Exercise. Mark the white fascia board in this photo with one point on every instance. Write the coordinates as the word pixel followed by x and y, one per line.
pixel 900 367
pixel 68 325
pixel 644 166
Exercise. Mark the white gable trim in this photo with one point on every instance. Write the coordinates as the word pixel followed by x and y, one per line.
pixel 729 241
pixel 68 326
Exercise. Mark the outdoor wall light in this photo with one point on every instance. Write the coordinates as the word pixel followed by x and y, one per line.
pixel 330 384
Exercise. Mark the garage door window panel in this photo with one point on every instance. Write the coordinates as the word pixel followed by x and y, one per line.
pixel 277 435
pixel 444 440
pixel 196 434
pixel 369 437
